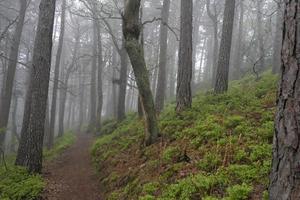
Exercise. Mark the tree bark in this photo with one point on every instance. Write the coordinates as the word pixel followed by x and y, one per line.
pixel 56 76
pixel 285 174
pixel 30 149
pixel 162 76
pixel 11 71
pixel 131 31
pixel 221 84
pixel 185 67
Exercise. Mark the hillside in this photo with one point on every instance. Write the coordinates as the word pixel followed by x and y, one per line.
pixel 219 149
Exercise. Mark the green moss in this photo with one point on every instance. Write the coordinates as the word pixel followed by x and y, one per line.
pixel 239 192
pixel 210 162
pixel 228 138
pixel 60 145
pixel 16 183
pixel 171 154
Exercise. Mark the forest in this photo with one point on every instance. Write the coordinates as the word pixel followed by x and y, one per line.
pixel 149 99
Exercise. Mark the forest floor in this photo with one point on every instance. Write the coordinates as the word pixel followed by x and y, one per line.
pixel 71 175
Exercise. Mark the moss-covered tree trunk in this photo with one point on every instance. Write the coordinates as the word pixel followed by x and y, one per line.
pixel 285 174
pixel 131 31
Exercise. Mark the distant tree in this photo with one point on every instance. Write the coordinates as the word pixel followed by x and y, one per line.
pixel 162 75
pixel 238 58
pixel 260 35
pixel 278 38
pixel 56 75
pixel 30 151
pixel 131 31
pixel 93 94
pixel 184 76
pixel 6 95
pixel 221 84
pixel 284 179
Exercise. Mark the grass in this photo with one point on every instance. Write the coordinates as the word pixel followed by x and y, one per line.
pixel 226 137
pixel 17 184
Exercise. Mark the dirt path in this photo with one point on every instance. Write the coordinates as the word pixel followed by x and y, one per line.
pixel 71 176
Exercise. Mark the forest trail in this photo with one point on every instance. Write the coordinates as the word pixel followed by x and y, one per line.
pixel 71 176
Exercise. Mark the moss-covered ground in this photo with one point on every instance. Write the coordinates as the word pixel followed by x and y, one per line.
pixel 218 149
pixel 17 184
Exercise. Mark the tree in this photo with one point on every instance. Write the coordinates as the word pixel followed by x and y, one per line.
pixel 214 19
pixel 131 31
pixel 184 76
pixel 260 35
pixel 239 43
pixel 221 84
pixel 11 71
pixel 278 38
pixel 100 69
pixel 56 75
pixel 30 149
pixel 162 76
pixel 284 179
pixel 93 97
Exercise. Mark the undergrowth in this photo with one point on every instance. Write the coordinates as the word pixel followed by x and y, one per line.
pixel 17 184
pixel 225 140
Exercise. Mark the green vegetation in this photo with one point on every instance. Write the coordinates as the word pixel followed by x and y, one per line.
pixel 17 184
pixel 60 145
pixel 219 149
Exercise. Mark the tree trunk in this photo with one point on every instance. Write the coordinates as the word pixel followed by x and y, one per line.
pixel 184 76
pixel 239 57
pixel 56 76
pixel 93 96
pixel 278 39
pixel 285 174
pixel 221 84
pixel 122 83
pixel 11 71
pixel 162 76
pixel 260 36
pixel 31 145
pixel 100 69
pixel 131 31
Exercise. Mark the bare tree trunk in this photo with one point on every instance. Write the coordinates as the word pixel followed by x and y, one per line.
pixel 260 36
pixel 31 145
pixel 240 39
pixel 184 76
pixel 122 83
pixel 162 75
pixel 214 19
pixel 11 71
pixel 56 76
pixel 100 69
pixel 284 178
pixel 225 48
pixel 131 30
pixel 278 38
pixel 93 96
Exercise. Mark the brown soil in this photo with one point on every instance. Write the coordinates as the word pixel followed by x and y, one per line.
pixel 71 176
